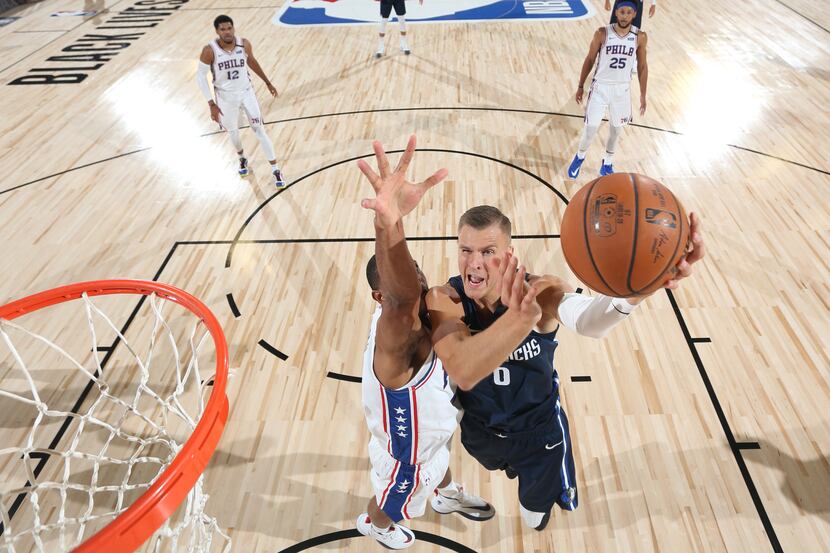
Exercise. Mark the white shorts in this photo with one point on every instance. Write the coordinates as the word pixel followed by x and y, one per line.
pixel 616 98
pixel 401 489
pixel 231 102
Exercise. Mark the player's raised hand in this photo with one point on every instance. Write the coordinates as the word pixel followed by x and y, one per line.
pixel 652 10
pixel 395 196
pixel 607 5
pixel 516 294
pixel 695 251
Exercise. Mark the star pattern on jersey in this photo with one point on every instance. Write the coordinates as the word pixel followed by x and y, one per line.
pixel 400 410
pixel 403 486
pixel 401 428
pixel 401 420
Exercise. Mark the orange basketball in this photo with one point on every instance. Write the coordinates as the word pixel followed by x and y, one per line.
pixel 623 234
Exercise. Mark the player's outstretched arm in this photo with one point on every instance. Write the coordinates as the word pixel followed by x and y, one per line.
pixel 255 67
pixel 400 285
pixel 642 69
pixel 588 64
pixel 596 316
pixel 467 358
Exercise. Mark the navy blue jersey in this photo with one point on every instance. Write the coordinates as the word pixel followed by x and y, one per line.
pixel 520 395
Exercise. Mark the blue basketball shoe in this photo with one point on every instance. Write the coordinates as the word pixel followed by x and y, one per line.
pixel 575 166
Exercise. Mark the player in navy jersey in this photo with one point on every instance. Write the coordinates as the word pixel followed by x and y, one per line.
pixel 494 328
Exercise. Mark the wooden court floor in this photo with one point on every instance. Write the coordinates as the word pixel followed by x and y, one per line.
pixel 704 424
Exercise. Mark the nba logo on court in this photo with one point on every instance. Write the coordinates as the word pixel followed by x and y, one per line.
pixel 363 12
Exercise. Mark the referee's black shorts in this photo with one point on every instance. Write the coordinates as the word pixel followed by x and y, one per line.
pixel 387 5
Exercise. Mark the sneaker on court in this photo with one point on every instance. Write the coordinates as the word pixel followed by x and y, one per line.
pixel 279 179
pixel 378 54
pixel 606 169
pixel 396 537
pixel 243 166
pixel 406 50
pixel 467 505
pixel 534 520
pixel 574 167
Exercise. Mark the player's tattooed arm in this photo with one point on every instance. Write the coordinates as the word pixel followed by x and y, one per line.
pixel 588 64
pixel 255 67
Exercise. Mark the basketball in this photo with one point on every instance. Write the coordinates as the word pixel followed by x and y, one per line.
pixel 623 234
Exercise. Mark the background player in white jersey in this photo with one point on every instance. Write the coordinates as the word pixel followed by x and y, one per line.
pixel 407 397
pixel 385 11
pixel 229 58
pixel 617 49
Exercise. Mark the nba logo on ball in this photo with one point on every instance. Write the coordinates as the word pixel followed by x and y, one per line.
pixel 366 12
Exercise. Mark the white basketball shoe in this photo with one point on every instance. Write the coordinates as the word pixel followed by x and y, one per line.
pixel 465 504
pixel 394 537
pixel 534 520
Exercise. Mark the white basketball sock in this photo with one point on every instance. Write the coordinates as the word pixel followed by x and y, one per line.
pixel 450 491
pixel 588 134
pixel 613 136
pixel 236 140
pixel 265 142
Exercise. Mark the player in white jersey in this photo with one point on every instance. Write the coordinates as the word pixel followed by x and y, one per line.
pixel 407 397
pixel 229 58
pixel 617 49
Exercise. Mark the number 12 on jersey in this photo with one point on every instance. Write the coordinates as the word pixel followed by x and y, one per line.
pixel 233 74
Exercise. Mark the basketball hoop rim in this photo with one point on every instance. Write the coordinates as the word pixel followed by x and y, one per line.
pixel 146 515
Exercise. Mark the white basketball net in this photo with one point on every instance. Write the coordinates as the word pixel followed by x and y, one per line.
pixel 121 438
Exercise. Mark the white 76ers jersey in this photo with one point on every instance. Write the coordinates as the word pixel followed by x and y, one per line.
pixel 617 57
pixel 414 422
pixel 230 69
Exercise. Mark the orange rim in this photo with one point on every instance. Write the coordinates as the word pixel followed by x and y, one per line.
pixel 132 527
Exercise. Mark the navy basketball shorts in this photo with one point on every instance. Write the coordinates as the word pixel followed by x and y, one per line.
pixel 387 5
pixel 543 461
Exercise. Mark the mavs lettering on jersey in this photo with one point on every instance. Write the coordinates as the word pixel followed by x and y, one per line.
pixel 521 395
pixel 364 12
pixel 526 351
